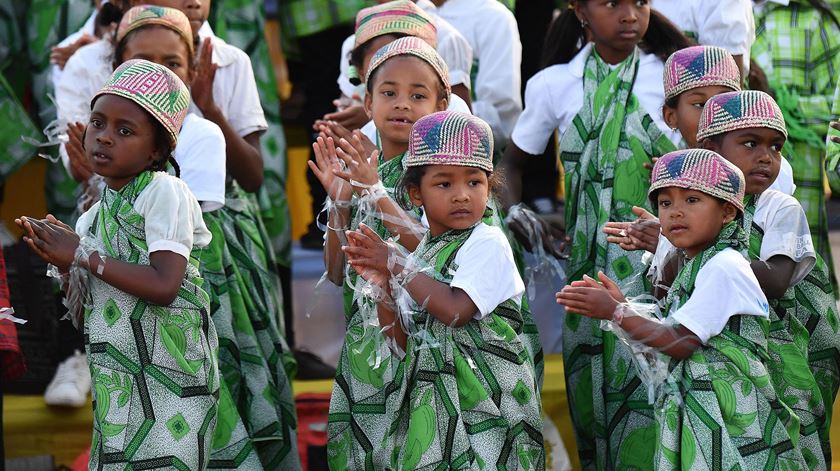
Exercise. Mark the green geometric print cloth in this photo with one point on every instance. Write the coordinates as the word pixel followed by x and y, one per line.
pixel 241 23
pixel 735 403
pixel 154 369
pixel 799 50
pixel 461 398
pixel 603 154
pixel 257 423
pixel 832 155
pixel 804 323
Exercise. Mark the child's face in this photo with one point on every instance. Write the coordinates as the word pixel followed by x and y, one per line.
pixel 756 151
pixel 196 11
pixel 161 46
pixel 405 89
pixel 616 27
pixel 690 219
pixel 686 116
pixel 452 196
pixel 120 140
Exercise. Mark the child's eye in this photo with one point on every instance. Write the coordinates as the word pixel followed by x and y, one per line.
pixel 174 65
pixel 610 4
pixel 641 3
pixel 475 182
pixel 777 147
pixel 749 144
pixel 664 203
pixel 388 93
pixel 699 105
pixel 692 199
pixel 418 96
pixel 125 131
pixel 443 184
pixel 96 123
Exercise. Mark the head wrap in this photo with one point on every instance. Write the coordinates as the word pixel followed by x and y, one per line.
pixel 398 17
pixel 155 88
pixel 740 110
pixel 144 15
pixel 700 66
pixel 701 170
pixel 450 138
pixel 410 46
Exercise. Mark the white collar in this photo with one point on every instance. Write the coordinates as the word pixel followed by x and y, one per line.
pixel 578 63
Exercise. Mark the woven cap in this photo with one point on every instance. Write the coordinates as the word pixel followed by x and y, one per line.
pixel 398 17
pixel 416 47
pixel 740 110
pixel 145 15
pixel 701 170
pixel 700 66
pixel 155 88
pixel 450 138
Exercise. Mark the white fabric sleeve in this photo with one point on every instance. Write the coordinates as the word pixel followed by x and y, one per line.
pixel 498 83
pixel 85 221
pixel 456 51
pixel 538 120
pixel 729 25
pixel 487 271
pixel 173 220
pixel 245 113
pixel 786 232
pixel 201 157
pixel 784 181
pixel 725 287
pixel 347 88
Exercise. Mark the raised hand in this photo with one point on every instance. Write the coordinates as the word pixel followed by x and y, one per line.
pixel 353 117
pixel 361 167
pixel 368 254
pixel 60 55
pixel 591 298
pixel 325 166
pixel 80 167
pixel 53 243
pixel 641 234
pixel 205 74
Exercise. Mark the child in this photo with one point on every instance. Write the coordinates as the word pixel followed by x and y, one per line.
pixel 242 306
pixel 719 408
pixel 150 343
pixel 797 45
pixel 748 129
pixel 608 133
pixel 464 366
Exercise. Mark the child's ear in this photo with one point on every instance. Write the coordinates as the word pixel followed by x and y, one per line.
pixel 414 195
pixel 442 104
pixel 369 105
pixel 730 212
pixel 670 116
pixel 708 144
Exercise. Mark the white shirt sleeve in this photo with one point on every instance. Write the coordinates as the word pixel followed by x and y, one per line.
pixel 498 82
pixel 486 270
pixel 784 181
pixel 456 51
pixel 235 89
pixel 538 120
pixel 728 24
pixel 725 287
pixel 347 88
pixel 85 221
pixel 786 232
pixel 173 217
pixel 201 157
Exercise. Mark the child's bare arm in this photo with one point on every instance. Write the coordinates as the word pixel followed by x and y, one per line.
pixel 774 275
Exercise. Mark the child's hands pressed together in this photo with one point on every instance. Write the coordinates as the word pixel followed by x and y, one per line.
pixel 368 254
pixel 51 240
pixel 641 234
pixel 591 298
pixel 325 166
pixel 361 166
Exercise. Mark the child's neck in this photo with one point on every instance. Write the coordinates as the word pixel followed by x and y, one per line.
pixel 610 55
pixel 391 149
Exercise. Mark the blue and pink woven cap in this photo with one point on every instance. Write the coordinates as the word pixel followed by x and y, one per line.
pixel 450 138
pixel 740 110
pixel 700 66
pixel 702 170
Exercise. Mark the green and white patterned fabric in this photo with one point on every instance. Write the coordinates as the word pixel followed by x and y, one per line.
pixel 799 50
pixel 257 422
pixel 305 17
pixel 832 157
pixel 154 368
pixel 735 403
pixel 804 326
pixel 462 398
pixel 603 153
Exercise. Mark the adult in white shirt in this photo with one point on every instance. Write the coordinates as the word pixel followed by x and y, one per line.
pixel 728 24
pixel 491 30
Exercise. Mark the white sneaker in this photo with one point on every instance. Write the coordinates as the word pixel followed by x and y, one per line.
pixel 71 383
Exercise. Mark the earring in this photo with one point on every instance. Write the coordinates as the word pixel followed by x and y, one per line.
pixel 584 23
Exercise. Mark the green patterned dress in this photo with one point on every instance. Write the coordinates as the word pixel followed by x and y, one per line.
pixel 603 153
pixel 461 398
pixel 804 338
pixel 154 369
pixel 734 403
pixel 257 421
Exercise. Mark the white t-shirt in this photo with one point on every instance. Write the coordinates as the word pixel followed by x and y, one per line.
pixel 725 287
pixel 200 154
pixel 84 74
pixel 491 30
pixel 456 103
pixel 451 45
pixel 786 231
pixel 727 24
pixel 172 216
pixel 486 270
pixel 88 28
pixel 784 181
pixel 554 96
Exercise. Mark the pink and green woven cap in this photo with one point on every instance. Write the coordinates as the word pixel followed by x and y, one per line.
pixel 155 88
pixel 702 170
pixel 700 66
pixel 410 46
pixel 450 138
pixel 740 110
pixel 398 17
pixel 145 15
